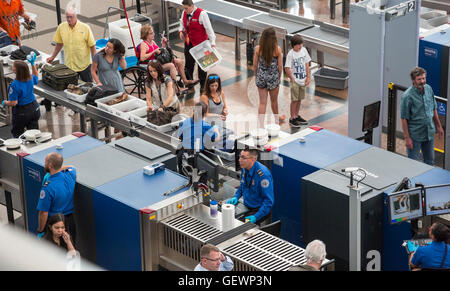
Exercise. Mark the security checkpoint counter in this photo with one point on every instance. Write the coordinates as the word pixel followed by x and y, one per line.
pixel 297 159
pixel 33 170
pixel 325 207
pixel 14 170
pixel 126 211
pixel 95 168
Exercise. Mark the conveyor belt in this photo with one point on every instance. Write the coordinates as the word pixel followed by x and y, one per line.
pixel 290 26
pixel 224 10
pixel 325 34
pixel 231 233
pixel 266 252
pixel 193 227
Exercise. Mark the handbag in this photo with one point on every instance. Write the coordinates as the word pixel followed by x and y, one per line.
pixel 165 56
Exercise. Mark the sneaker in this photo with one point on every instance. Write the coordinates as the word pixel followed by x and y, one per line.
pixel 301 120
pixel 294 122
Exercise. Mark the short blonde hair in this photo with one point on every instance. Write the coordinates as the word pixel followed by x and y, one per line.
pixel 145 30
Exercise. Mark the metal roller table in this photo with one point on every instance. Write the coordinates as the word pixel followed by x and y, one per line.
pixel 285 24
pixel 327 38
pixel 251 249
pixel 59 97
pixel 231 14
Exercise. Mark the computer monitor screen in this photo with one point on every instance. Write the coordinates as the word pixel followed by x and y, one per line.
pixel 437 199
pixel 405 205
pixel 371 116
pixel 212 169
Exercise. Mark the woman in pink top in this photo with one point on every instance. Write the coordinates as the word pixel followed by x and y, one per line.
pixel 149 50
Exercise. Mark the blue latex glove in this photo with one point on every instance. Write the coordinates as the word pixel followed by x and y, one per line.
pixel 31 58
pixel 4 103
pixel 40 235
pixel 412 247
pixel 233 201
pixel 46 177
pixel 251 219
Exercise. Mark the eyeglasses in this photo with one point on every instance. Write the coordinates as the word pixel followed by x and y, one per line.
pixel 244 157
pixel 215 260
pixel 215 77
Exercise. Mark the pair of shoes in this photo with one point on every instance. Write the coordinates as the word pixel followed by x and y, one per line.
pixel 192 83
pixel 182 92
pixel 294 122
pixel 301 120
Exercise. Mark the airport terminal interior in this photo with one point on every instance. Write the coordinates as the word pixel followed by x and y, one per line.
pixel 343 176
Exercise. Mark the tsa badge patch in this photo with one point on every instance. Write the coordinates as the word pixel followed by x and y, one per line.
pixel 42 195
pixel 265 183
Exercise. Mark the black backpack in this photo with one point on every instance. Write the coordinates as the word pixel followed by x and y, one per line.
pixel 22 53
pixel 99 92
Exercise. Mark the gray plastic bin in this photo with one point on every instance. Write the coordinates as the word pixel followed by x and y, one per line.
pixel 331 78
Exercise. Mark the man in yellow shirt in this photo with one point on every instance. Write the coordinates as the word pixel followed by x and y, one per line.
pixel 79 45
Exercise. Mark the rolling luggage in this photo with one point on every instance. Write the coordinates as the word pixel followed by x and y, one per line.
pixel 59 76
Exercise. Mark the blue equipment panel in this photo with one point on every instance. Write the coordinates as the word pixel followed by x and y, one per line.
pixel 434 56
pixel 395 257
pixel 33 167
pixel 117 225
pixel 320 149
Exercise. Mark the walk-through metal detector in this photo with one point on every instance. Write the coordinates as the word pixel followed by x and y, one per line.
pixel 385 38
pixel 393 90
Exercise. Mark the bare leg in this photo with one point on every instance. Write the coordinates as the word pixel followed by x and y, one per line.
pixel 293 108
pixel 262 106
pixel 180 67
pixel 173 71
pixel 173 74
pixel 274 104
pixel 298 107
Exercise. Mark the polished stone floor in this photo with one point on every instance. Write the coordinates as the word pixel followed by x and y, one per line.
pixel 323 106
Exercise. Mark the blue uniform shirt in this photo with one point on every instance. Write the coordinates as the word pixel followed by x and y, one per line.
pixel 257 189
pixel 23 92
pixel 57 194
pixel 418 110
pixel 189 131
pixel 431 256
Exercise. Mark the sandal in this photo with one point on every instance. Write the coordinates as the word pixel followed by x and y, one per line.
pixel 191 83
pixel 182 92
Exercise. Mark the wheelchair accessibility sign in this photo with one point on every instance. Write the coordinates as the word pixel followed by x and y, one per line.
pixel 441 108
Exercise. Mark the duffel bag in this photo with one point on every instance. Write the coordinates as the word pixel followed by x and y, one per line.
pixel 22 53
pixel 59 76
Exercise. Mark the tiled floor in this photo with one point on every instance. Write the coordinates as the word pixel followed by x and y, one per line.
pixel 324 107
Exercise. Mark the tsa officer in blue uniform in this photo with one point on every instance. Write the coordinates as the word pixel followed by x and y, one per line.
pixel 256 187
pixel 25 109
pixel 56 194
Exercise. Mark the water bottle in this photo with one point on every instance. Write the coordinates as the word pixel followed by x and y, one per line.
pixel 213 208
